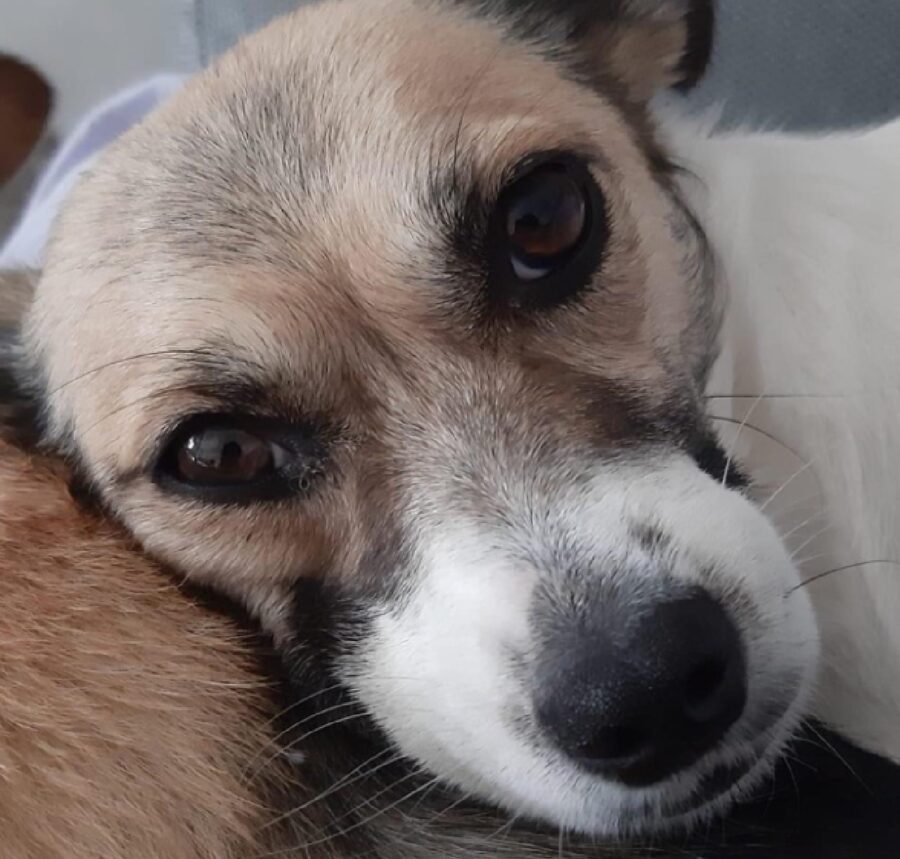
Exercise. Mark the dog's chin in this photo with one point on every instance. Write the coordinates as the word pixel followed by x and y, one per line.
pixel 692 798
pixel 722 783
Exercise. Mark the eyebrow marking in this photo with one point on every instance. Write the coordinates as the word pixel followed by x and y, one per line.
pixel 224 382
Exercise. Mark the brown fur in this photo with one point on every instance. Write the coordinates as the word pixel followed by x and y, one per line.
pixel 127 714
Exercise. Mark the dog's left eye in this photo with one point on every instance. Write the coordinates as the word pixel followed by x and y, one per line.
pixel 227 455
pixel 548 232
pixel 237 459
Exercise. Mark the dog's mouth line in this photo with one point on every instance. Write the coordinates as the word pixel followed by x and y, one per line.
pixel 723 785
pixel 717 786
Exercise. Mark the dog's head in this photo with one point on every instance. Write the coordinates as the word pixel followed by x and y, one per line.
pixel 393 327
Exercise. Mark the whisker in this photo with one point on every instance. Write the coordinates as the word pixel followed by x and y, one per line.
pixel 205 354
pixel 785 511
pixel 758 430
pixel 502 831
pixel 795 552
pixel 807 521
pixel 299 703
pixel 773 396
pixel 363 821
pixel 302 739
pixel 463 797
pixel 318 729
pixel 251 770
pixel 422 799
pixel 357 774
pixel 808 559
pixel 139 401
pixel 836 570
pixel 827 745
pixel 733 446
pixel 786 483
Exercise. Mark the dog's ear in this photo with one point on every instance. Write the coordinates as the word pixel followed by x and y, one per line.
pixel 644 45
pixel 25 103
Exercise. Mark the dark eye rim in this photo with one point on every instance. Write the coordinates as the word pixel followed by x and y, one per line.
pixel 575 269
pixel 296 478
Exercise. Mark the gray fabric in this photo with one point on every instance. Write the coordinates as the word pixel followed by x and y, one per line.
pixel 805 64
pixel 220 23
pixel 801 64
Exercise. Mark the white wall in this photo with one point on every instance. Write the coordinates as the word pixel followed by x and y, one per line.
pixel 88 49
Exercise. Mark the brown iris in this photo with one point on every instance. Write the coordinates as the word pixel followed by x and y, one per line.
pixel 225 456
pixel 546 216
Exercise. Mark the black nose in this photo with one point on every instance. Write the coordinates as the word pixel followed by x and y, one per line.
pixel 645 694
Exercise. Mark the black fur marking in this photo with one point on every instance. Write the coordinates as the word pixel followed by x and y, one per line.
pixel 572 20
pixel 701 26
pixel 326 627
pixel 711 458
pixel 9 387
pixel 20 416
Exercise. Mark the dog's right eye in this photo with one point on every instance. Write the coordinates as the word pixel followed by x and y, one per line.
pixel 237 459
pixel 548 232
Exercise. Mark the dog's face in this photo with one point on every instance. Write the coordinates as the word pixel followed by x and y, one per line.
pixel 393 327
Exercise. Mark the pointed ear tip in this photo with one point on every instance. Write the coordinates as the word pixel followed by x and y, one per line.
pixel 700 26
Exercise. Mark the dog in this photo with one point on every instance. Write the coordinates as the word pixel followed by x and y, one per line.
pixel 137 722
pixel 400 328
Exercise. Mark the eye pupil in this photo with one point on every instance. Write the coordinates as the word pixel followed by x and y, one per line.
pixel 240 458
pixel 224 456
pixel 546 217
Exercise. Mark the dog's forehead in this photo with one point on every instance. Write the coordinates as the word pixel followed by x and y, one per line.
pixel 312 163
pixel 289 207
pixel 325 141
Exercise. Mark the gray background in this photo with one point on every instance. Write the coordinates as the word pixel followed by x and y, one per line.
pixel 800 64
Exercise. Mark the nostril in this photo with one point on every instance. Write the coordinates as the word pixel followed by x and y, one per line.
pixel 701 689
pixel 710 691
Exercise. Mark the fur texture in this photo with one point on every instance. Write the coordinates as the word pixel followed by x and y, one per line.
pixel 135 723
pixel 310 220
pixel 300 239
pixel 128 715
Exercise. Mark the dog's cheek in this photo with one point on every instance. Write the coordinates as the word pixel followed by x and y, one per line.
pixel 437 671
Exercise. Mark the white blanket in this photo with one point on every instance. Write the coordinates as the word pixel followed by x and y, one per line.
pixel 25 246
